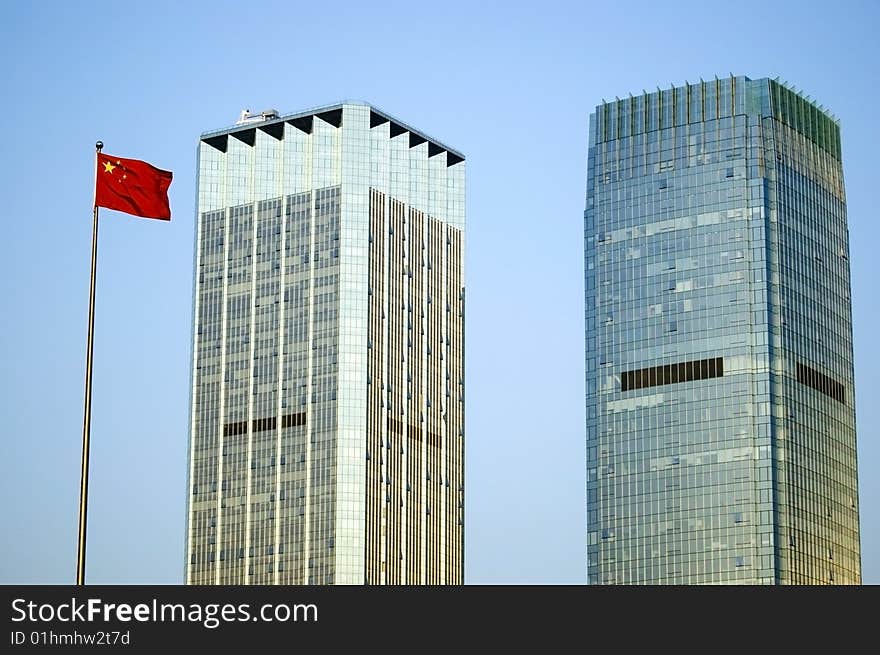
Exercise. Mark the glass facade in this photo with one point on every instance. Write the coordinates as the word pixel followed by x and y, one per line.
pixel 329 286
pixel 719 374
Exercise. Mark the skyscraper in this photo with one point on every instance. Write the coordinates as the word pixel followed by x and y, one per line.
pixel 721 443
pixel 327 424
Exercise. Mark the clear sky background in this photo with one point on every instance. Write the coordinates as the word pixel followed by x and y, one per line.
pixel 509 84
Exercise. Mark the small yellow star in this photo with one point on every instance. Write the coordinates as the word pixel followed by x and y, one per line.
pixel 108 167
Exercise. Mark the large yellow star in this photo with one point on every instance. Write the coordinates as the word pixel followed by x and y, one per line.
pixel 108 167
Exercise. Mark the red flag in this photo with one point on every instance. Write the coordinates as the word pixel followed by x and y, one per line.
pixel 132 186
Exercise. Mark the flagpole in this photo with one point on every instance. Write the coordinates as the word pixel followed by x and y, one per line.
pixel 87 410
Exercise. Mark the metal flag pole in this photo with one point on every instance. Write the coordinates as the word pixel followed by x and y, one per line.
pixel 87 410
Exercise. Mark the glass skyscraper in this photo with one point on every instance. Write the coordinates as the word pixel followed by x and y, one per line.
pixel 327 425
pixel 721 444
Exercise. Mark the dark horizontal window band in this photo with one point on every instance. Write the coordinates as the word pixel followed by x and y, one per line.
pixel 821 383
pixel 293 420
pixel 655 376
pixel 414 432
pixel 232 429
pixel 263 424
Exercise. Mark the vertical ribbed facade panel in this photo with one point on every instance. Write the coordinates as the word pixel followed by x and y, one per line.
pixel 410 539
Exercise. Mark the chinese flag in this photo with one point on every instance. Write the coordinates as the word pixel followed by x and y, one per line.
pixel 132 186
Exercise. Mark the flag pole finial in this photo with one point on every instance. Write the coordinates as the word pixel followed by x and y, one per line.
pixel 99 145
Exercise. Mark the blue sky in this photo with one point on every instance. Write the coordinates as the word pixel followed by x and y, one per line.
pixel 509 84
